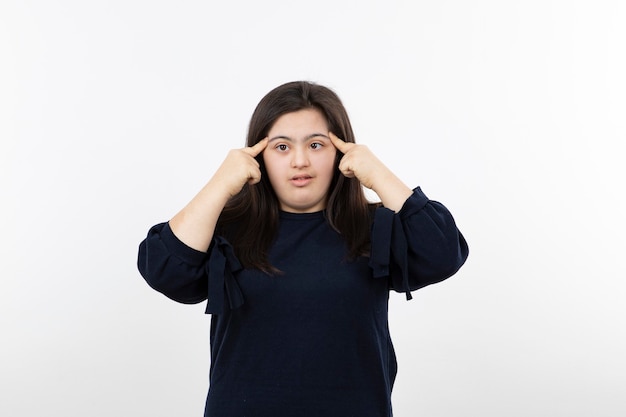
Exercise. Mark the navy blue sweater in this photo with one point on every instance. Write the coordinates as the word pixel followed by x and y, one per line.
pixel 314 340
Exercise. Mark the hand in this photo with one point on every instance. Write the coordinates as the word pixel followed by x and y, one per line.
pixel 240 167
pixel 358 161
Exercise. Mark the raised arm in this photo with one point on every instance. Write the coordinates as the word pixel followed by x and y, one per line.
pixel 415 241
pixel 195 224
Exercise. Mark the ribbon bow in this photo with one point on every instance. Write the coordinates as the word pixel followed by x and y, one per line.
pixel 387 232
pixel 222 283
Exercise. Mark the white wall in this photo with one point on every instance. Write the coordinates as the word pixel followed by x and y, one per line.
pixel 114 113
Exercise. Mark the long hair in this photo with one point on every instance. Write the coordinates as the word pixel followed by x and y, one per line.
pixel 250 218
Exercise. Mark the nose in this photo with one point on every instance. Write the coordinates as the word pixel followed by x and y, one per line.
pixel 299 157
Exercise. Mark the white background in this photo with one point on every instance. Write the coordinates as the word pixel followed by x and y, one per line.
pixel 114 113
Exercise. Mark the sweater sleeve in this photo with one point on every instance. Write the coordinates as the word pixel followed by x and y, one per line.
pixel 418 246
pixel 187 275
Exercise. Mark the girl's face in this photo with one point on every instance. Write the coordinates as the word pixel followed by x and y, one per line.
pixel 299 160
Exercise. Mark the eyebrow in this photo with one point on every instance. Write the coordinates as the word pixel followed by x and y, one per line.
pixel 311 136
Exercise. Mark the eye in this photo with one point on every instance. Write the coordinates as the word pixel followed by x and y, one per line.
pixel 282 147
pixel 316 145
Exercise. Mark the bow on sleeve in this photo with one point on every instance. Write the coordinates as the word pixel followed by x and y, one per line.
pixel 387 232
pixel 222 283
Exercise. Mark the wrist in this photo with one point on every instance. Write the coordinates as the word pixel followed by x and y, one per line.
pixel 392 191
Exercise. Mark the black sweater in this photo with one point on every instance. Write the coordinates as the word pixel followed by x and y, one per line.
pixel 313 341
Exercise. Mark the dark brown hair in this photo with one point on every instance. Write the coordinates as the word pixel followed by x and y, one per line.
pixel 250 218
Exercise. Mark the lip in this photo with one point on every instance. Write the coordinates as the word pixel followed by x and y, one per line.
pixel 301 180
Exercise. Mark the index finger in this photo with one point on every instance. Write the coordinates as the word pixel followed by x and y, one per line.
pixel 342 146
pixel 257 148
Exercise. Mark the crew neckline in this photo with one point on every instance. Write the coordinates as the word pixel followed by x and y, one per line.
pixel 301 216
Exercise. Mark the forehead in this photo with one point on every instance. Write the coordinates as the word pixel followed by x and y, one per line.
pixel 304 121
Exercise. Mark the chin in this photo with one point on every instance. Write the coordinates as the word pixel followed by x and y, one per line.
pixel 304 207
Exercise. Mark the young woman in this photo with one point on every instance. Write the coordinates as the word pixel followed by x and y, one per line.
pixel 297 265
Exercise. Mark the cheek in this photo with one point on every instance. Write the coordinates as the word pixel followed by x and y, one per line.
pixel 327 165
pixel 269 163
pixel 332 161
pixel 272 167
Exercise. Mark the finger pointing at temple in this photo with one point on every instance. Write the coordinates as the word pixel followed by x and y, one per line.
pixel 341 146
pixel 257 148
